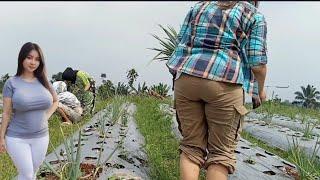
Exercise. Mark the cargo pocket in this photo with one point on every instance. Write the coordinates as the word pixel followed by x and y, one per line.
pixel 241 111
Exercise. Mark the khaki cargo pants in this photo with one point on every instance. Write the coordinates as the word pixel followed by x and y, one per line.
pixel 210 114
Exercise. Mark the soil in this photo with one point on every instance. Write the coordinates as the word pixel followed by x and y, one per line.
pixel 88 170
pixel 49 176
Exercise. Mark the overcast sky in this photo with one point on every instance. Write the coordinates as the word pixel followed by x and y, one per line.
pixel 113 37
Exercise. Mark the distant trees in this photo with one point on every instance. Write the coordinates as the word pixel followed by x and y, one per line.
pixel 56 77
pixel 3 80
pixel 307 97
pixel 108 89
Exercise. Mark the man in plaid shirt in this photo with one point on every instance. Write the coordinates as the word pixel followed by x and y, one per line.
pixel 221 54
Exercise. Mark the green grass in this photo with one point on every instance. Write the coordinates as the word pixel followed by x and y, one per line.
pixel 161 145
pixel 309 166
pixel 7 169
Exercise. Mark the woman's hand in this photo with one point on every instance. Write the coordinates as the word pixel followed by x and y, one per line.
pixel 257 101
pixel 2 145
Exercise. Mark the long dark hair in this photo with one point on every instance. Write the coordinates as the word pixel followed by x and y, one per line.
pixel 40 73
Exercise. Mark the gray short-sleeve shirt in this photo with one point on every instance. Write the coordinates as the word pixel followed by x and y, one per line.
pixel 30 100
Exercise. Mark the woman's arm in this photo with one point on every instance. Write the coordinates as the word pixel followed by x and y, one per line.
pixel 6 117
pixel 260 74
pixel 63 115
pixel 257 52
pixel 52 109
pixel 54 105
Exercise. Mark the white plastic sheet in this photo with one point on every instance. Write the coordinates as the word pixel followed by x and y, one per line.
pixel 133 164
pixel 276 136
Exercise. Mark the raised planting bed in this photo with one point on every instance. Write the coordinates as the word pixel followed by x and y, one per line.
pixel 120 144
pixel 254 162
pixel 286 122
pixel 278 136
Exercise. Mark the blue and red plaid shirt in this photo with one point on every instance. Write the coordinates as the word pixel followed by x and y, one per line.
pixel 222 45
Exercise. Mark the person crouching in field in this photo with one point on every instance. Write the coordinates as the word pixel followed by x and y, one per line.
pixel 69 106
pixel 81 84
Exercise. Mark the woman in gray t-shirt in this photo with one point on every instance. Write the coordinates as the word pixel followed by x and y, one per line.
pixel 31 99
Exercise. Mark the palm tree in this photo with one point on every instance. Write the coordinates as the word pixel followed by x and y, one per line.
pixel 132 76
pixel 168 44
pixel 308 97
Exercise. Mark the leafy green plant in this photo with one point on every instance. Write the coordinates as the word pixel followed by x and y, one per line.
pixel 308 166
pixel 267 118
pixel 292 115
pixel 103 136
pixel 124 119
pixel 168 44
pixel 122 89
pixel 106 90
pixel 116 115
pixel 303 118
pixel 115 149
pixel 115 110
pixel 307 130
pixel 142 89
pixel 71 165
pixel 101 124
pixel 161 89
